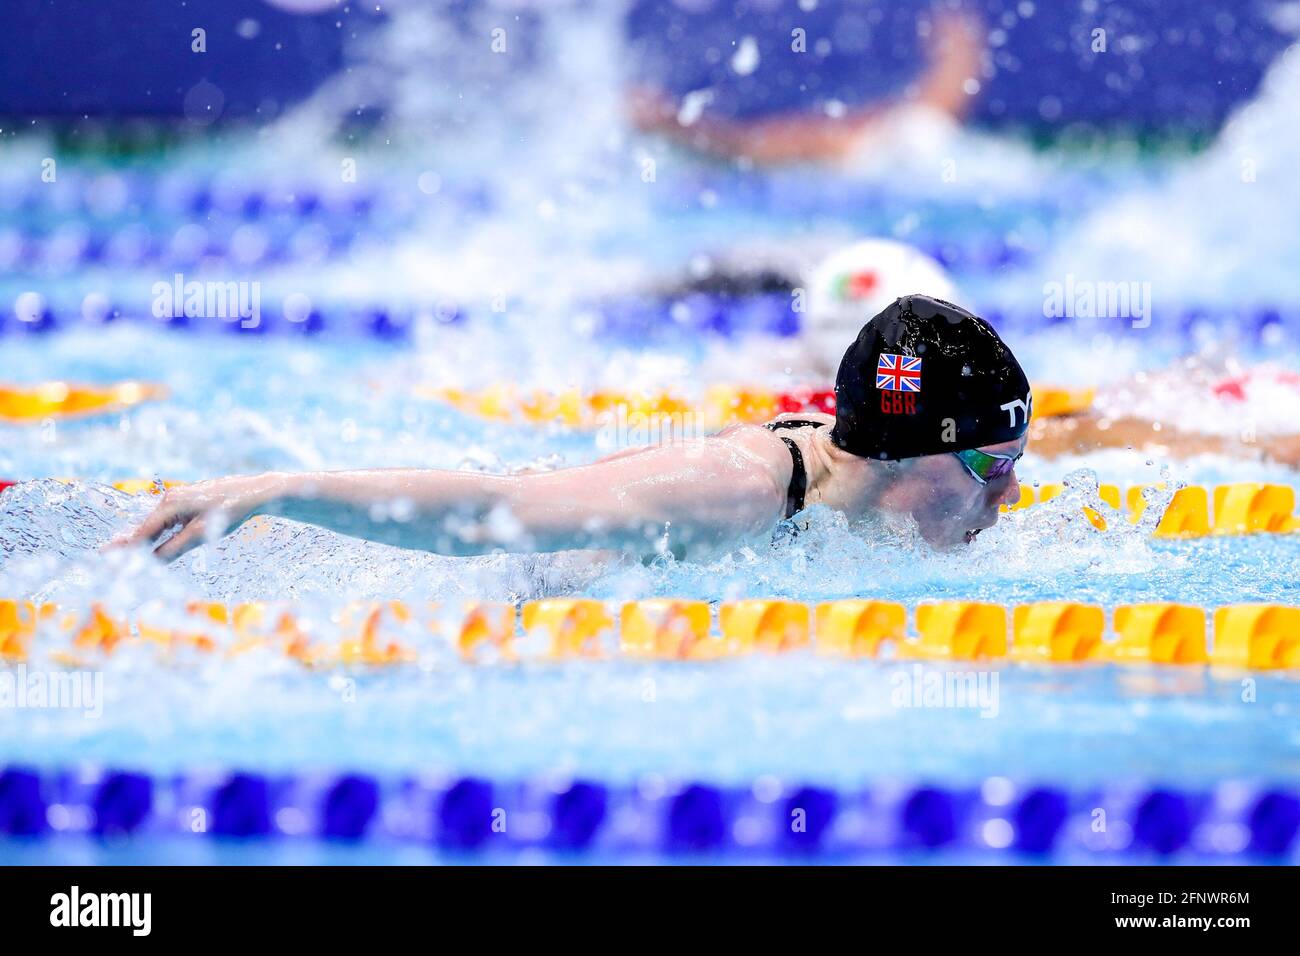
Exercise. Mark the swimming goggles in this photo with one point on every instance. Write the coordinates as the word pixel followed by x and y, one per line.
pixel 984 467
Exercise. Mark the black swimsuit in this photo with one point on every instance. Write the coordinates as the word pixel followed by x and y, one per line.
pixel 794 495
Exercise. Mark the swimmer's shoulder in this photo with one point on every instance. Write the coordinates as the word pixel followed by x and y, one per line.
pixel 765 440
pixel 819 418
pixel 764 447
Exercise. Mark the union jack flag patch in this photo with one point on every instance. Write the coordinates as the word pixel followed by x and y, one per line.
pixel 898 373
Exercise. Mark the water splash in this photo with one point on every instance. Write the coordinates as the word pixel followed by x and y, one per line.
pixel 1218 228
pixel 831 557
pixel 52 533
pixel 1212 394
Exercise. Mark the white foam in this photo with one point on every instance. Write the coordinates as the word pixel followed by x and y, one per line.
pixel 1221 229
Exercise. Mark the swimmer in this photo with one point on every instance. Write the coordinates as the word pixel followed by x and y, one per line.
pixel 931 418
pixel 1088 431
pixel 833 282
pixel 941 94
pixel 1129 415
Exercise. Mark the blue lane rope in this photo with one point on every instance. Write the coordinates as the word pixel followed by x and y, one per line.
pixel 640 318
pixel 1228 822
pixel 79 246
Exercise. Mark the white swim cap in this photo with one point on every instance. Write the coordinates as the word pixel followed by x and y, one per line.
pixel 859 281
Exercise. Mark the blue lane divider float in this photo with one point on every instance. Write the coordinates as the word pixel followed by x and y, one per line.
pixel 119 195
pixel 103 197
pixel 258 242
pixel 123 218
pixel 276 316
pixel 640 318
pixel 1227 822
pixel 70 248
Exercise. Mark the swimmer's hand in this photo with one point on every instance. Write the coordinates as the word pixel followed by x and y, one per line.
pixel 191 512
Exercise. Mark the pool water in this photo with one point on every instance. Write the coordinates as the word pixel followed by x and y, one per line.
pixel 484 278
pixel 237 406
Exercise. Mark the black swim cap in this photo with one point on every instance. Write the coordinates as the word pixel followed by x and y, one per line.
pixel 926 377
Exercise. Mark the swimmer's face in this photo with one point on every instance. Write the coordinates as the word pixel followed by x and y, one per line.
pixel 949 506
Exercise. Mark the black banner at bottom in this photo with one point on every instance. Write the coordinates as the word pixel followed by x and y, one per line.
pixel 336 905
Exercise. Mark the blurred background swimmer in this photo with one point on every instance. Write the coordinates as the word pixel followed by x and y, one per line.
pixel 1193 408
pixel 837 125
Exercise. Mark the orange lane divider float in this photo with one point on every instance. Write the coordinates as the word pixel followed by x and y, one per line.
pixel 1257 637
pixel 576 628
pixel 1056 631
pixel 720 404
pixel 767 626
pixel 858 628
pixel 668 628
pixel 27 404
pixel 1052 402
pixel 1187 516
pixel 377 634
pixel 1241 508
pixel 1250 507
pixel 959 630
pixel 1160 634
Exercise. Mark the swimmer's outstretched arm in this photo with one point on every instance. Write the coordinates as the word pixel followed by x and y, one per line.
pixel 702 494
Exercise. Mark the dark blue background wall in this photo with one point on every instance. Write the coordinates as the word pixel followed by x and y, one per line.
pixel 1170 63
pixel 133 57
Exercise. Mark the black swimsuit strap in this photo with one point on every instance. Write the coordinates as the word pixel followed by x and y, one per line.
pixel 794 495
pixel 798 481
pixel 792 423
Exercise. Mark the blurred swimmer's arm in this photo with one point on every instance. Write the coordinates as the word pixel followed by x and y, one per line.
pixel 1088 431
pixel 955 46
pixel 771 141
pixel 1082 433
pixel 1284 449
pixel 692 495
